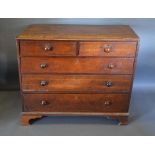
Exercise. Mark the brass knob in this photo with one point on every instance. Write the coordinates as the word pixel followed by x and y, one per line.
pixel 48 47
pixel 107 103
pixel 44 83
pixel 107 48
pixel 43 65
pixel 43 102
pixel 111 66
pixel 108 83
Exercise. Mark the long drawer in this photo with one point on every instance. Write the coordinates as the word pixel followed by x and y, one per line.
pixel 76 83
pixel 76 102
pixel 116 49
pixel 77 65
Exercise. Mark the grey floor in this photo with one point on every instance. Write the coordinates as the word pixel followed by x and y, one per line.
pixel 142 119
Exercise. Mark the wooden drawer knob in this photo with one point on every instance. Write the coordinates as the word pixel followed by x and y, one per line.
pixel 107 48
pixel 107 103
pixel 111 66
pixel 48 47
pixel 109 83
pixel 43 102
pixel 44 83
pixel 43 66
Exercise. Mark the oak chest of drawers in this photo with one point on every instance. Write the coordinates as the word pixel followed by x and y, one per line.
pixel 76 70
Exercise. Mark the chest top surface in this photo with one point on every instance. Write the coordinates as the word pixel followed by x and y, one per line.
pixel 78 32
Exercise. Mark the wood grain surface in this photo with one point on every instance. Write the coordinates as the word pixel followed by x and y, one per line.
pixel 78 65
pixel 76 102
pixel 78 32
pixel 114 49
pixel 38 48
pixel 76 83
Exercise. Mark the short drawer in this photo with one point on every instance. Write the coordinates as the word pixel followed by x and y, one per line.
pixel 76 102
pixel 76 83
pixel 77 65
pixel 47 48
pixel 116 49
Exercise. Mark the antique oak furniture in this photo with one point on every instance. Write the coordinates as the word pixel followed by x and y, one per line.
pixel 75 70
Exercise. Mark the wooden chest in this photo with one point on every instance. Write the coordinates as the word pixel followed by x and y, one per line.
pixel 76 70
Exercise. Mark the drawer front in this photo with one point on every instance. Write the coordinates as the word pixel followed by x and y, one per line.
pixel 77 65
pixel 117 49
pixel 76 102
pixel 76 83
pixel 47 48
